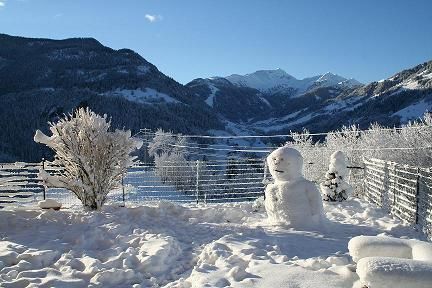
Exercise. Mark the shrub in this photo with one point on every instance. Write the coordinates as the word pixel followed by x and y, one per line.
pixel 93 157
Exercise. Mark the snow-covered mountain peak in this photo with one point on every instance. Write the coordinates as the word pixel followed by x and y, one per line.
pixel 331 79
pixel 274 81
pixel 272 74
pixel 264 80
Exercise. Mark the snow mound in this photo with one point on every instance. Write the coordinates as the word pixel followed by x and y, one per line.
pixel 388 262
pixel 389 272
pixel 49 203
pixel 367 246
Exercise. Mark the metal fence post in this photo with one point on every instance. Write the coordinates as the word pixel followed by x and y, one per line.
pixel 417 216
pixel 44 186
pixel 364 179
pixel 265 181
pixel 386 182
pixel 123 190
pixel 197 181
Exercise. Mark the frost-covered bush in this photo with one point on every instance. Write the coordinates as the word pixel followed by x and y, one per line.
pixel 409 144
pixel 335 187
pixel 171 160
pixel 93 157
pixel 313 154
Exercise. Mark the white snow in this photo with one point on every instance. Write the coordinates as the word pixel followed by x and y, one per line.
pixel 413 111
pixel 389 262
pixel 273 121
pixel 272 81
pixel 388 272
pixel 343 105
pixel 142 69
pixel 49 203
pixel 265 80
pixel 274 124
pixel 411 84
pixel 203 246
pixel 146 95
pixel 210 99
pixel 329 79
pixel 265 101
pixel 167 245
pixel 291 199
pixel 427 75
pixel 414 82
pixel 335 186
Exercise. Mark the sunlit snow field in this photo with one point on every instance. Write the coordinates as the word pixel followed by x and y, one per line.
pixel 169 245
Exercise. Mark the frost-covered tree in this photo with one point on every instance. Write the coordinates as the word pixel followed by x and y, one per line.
pixel 173 166
pixel 409 144
pixel 162 142
pixel 313 153
pixel 93 157
pixel 335 187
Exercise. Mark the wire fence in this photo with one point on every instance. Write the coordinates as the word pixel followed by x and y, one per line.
pixel 213 181
pixel 402 190
pixel 232 180
pixel 196 181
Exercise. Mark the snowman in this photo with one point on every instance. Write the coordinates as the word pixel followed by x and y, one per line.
pixel 291 199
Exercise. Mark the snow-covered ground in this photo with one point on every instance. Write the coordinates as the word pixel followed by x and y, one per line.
pixel 168 245
pixel 413 111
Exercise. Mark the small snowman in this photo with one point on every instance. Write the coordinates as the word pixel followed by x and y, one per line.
pixel 291 199
pixel 335 188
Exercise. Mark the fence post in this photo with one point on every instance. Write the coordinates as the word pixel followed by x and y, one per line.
pixel 364 179
pixel 123 190
pixel 385 192
pixel 417 196
pixel 265 182
pixel 395 184
pixel 197 181
pixel 44 186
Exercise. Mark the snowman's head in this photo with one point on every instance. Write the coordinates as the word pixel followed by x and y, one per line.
pixel 285 164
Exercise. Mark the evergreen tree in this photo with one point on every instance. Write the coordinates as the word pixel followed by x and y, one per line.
pixel 335 187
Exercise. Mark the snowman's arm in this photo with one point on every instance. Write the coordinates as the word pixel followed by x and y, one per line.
pixel 314 197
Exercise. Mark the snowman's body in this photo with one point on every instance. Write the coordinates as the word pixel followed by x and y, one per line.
pixel 291 199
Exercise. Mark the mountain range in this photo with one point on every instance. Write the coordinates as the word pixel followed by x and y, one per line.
pixel 41 79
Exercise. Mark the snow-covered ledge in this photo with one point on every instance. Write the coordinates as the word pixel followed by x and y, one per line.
pixel 387 262
pixel 49 204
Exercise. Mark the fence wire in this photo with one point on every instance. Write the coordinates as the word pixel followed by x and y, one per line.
pixel 403 190
pixel 212 181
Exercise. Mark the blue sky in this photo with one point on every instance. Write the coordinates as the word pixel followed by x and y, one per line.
pixel 368 39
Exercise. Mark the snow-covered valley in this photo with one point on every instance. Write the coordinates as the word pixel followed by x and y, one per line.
pixel 162 244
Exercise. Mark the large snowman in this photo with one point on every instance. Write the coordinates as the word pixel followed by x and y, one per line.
pixel 291 199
